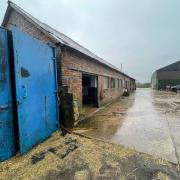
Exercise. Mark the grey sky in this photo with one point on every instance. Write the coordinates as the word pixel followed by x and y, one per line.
pixel 143 35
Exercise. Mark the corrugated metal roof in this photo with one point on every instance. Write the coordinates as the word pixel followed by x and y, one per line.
pixel 58 37
pixel 172 67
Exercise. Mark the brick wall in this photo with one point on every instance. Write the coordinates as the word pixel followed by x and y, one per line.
pixel 74 65
pixel 18 20
pixel 25 26
pixel 71 65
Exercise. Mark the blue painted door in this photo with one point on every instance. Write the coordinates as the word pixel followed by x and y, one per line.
pixel 7 138
pixel 35 89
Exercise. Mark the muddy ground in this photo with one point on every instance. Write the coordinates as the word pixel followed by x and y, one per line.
pixel 74 157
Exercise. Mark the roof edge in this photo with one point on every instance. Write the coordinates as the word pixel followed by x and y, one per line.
pixel 6 15
pixel 13 6
pixel 167 66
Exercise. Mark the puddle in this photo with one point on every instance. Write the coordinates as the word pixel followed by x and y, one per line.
pixel 146 121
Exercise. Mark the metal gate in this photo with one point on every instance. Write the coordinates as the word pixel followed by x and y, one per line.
pixel 7 136
pixel 36 91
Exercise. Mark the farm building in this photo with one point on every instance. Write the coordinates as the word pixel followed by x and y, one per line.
pixel 166 76
pixel 84 79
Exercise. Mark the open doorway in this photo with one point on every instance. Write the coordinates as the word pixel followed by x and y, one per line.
pixel 89 90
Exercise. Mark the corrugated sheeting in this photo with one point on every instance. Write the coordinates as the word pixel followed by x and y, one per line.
pixel 163 83
pixel 168 75
pixel 172 67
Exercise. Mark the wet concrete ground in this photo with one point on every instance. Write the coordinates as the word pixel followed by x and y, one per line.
pixel 147 121
pixel 139 121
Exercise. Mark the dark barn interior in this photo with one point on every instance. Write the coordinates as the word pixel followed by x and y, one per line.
pixel 89 88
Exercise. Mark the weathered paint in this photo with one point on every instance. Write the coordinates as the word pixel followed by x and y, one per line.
pixel 7 138
pixel 35 89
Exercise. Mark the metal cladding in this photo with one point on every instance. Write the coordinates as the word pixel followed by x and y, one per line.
pixel 166 76
pixel 7 137
pixel 35 91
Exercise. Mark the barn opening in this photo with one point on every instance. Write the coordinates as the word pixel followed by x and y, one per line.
pixel 90 89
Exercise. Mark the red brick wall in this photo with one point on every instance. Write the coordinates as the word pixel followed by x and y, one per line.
pixel 74 64
pixel 18 20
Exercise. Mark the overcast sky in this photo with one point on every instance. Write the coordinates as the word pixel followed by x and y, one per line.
pixel 142 35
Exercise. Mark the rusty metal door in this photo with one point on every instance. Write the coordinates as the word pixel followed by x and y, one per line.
pixel 36 89
pixel 7 137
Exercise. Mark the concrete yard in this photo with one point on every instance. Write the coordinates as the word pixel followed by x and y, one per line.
pixel 147 121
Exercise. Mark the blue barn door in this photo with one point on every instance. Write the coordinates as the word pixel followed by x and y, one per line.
pixel 7 136
pixel 36 91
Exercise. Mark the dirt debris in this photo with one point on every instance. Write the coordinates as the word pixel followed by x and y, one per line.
pixel 85 159
pixel 38 157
